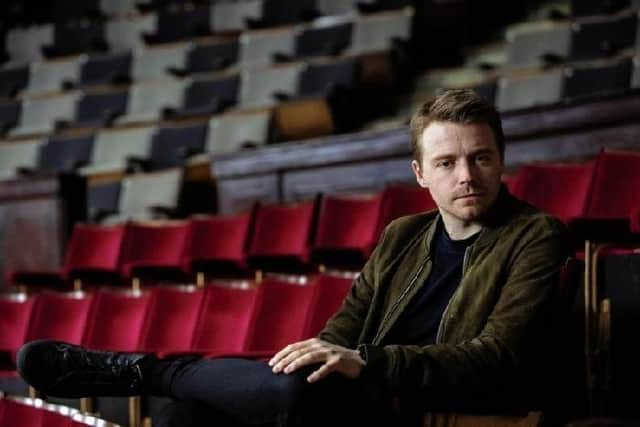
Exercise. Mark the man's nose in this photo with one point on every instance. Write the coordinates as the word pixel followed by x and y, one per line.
pixel 466 172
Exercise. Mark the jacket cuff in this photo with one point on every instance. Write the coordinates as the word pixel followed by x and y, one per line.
pixel 375 360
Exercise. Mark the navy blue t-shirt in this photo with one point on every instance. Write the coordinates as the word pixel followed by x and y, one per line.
pixel 418 324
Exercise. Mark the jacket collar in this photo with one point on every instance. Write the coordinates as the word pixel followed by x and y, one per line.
pixel 497 216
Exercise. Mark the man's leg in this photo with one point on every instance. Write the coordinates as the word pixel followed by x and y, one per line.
pixel 243 390
pixel 251 394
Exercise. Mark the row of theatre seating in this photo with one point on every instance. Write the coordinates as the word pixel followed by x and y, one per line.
pixel 334 231
pixel 168 23
pixel 248 76
pixel 550 61
pixel 28 412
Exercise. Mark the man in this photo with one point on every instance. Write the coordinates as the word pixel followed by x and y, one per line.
pixel 448 313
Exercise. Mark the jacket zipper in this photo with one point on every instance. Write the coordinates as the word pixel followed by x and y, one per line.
pixel 465 261
pixel 400 298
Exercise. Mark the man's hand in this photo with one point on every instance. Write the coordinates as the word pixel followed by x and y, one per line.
pixel 334 358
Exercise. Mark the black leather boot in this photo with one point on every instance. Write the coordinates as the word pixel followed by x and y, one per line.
pixel 60 369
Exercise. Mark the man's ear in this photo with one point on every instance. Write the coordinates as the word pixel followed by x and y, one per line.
pixel 417 170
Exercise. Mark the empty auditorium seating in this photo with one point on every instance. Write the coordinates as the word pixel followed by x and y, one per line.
pixel 15 312
pixel 155 62
pixel 606 78
pixel 217 245
pixel 173 145
pixel 282 12
pixel 601 37
pixel 13 80
pixel 543 88
pixel 280 317
pixel 9 115
pixel 106 69
pixel 18 156
pixel 42 115
pixel 210 56
pixel 560 189
pixel 536 45
pixel 233 16
pixel 224 320
pixel 125 33
pixel 400 200
pixel 346 231
pixel 74 38
pixel 92 257
pixel 323 78
pixel 611 195
pixel 324 37
pixel 148 100
pixel 281 237
pixel 53 76
pixel 116 320
pixel 171 319
pixel 64 154
pixel 153 252
pixel 262 47
pixel 205 96
pixel 330 292
pixel 263 87
pixel 113 149
pixel 179 24
pixel 239 129
pixel 24 44
pixel 377 32
pixel 99 109
pixel 59 316
pixel 102 199
pixel 148 196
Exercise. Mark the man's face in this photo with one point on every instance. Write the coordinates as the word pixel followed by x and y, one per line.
pixel 461 167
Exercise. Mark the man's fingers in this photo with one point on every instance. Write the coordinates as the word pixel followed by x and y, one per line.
pixel 287 351
pixel 321 372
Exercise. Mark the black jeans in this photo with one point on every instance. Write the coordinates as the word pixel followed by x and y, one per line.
pixel 239 392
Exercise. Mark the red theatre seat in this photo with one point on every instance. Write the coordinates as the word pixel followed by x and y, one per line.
pixel 559 189
pixel 281 237
pixel 347 230
pixel 116 320
pixel 401 200
pixel 224 320
pixel 15 311
pixel 19 414
pixel 60 316
pixel 92 257
pixel 331 291
pixel 280 317
pixel 153 252
pixel 171 319
pixel 217 245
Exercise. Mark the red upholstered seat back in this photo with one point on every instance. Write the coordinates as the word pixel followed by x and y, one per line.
pixel 94 247
pixel 116 320
pixel 154 245
pixel 15 311
pixel 331 291
pixel 171 319
pixel 218 238
pixel 282 230
pixel 348 223
pixel 224 320
pixel 60 316
pixel 18 414
pixel 615 184
pixel 281 315
pixel 401 200
pixel 559 189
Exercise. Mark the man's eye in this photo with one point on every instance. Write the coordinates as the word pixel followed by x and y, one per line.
pixel 483 158
pixel 444 164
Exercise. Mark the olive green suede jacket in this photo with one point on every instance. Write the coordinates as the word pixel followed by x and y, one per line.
pixel 491 339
